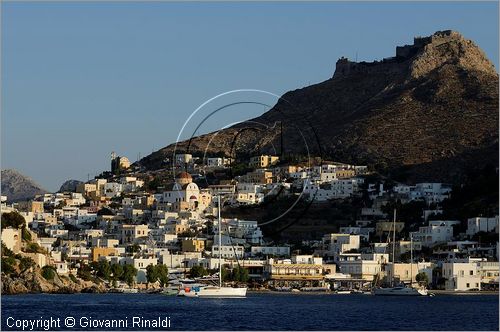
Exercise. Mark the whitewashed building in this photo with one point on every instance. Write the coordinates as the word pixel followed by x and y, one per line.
pixel 278 251
pixel 461 276
pixel 249 193
pixel 230 251
pixel 336 244
pixel 438 231
pixel 480 224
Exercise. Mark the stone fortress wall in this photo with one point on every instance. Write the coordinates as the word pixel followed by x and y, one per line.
pixel 345 67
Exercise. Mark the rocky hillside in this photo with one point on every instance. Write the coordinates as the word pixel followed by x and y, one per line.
pixel 18 187
pixel 69 185
pixel 31 281
pixel 428 113
pixel 20 274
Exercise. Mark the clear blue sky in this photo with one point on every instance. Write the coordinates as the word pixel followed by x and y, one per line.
pixel 80 80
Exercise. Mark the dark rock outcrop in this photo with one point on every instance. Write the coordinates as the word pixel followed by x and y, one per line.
pixel 69 185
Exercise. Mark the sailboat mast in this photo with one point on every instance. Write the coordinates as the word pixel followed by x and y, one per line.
pixel 411 260
pixel 393 248
pixel 220 225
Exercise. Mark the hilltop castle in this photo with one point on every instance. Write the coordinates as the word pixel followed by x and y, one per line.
pixel 345 67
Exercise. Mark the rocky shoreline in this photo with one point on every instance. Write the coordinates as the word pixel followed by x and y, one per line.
pixel 32 282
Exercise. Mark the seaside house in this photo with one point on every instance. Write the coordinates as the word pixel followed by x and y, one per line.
pixel 461 276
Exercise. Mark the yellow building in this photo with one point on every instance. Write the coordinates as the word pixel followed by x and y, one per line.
pixel 345 173
pixel 406 272
pixel 205 197
pixel 52 220
pixel 193 245
pixel 263 161
pixel 30 206
pixel 258 177
pixel 119 163
pixel 489 271
pixel 131 233
pixel 35 207
pixel 180 228
pixel 86 188
pixel 98 252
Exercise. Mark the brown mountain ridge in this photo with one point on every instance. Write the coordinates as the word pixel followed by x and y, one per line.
pixel 431 112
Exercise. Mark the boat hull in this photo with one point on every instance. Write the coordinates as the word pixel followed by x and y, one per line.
pixel 214 292
pixel 399 291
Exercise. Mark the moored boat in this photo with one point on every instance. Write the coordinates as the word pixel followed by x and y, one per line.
pixel 315 289
pixel 215 291
pixel 400 291
pixel 124 290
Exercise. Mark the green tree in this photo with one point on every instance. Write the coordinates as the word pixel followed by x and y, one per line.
pixel 8 264
pixel 57 243
pixel 133 248
pixel 226 274
pixel 197 271
pixel 48 272
pixel 34 247
pixel 26 263
pixel 239 274
pixel 94 268
pixel 6 251
pixel 103 269
pixel 151 273
pixel 84 272
pixel 422 278
pixel 13 219
pixel 73 278
pixel 235 274
pixel 26 235
pixel 105 212
pixel 116 271
pixel 162 272
pixel 129 273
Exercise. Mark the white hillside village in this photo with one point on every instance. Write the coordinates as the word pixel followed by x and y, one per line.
pixel 118 220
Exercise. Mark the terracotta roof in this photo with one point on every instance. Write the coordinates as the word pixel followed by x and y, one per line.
pixel 183 175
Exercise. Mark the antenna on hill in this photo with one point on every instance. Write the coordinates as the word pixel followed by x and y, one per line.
pixel 356 56
pixel 281 139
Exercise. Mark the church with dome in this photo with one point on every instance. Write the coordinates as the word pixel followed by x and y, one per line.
pixel 182 190
pixel 184 194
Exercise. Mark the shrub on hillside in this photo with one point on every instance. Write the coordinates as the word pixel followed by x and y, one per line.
pixel 48 272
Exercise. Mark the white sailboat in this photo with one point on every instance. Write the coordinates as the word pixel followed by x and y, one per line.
pixel 215 291
pixel 400 290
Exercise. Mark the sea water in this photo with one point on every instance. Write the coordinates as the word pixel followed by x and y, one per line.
pixel 259 311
